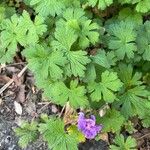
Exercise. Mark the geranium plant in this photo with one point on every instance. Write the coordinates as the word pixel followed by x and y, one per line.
pixel 88 53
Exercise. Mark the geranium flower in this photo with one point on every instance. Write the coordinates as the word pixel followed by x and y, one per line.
pixel 88 126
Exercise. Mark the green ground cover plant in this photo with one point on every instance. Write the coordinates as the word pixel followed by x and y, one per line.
pixel 88 53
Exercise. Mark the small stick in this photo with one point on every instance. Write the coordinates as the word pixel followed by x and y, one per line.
pixel 40 110
pixel 62 111
pixel 12 80
pixel 143 136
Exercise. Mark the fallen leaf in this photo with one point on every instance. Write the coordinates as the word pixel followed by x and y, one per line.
pixel 18 108
pixel 69 117
pixel 104 137
pixel 30 108
pixel 20 97
pixel 4 79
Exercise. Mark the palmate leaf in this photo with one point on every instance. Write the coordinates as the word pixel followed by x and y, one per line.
pixel 10 36
pixel 53 132
pixel 106 88
pixel 19 30
pixel 33 30
pixel 130 15
pixel 127 76
pixel 74 3
pixel 28 132
pixel 104 59
pixel 65 37
pixel 122 39
pixel 112 121
pixel 44 62
pixel 100 59
pixel 60 94
pixel 120 143
pixel 102 4
pixel 47 7
pixel 76 59
pixel 133 101
pixel 88 34
pixel 85 29
pixel 143 41
pixel 143 6
pixel 75 94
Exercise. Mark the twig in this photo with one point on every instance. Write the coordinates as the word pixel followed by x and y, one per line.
pixel 143 136
pixel 62 111
pixel 44 103
pixel 40 110
pixel 12 80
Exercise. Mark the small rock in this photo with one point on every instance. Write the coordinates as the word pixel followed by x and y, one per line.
pixel 54 109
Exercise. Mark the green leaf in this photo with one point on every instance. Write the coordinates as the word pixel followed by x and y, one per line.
pixel 47 7
pixel 77 60
pixel 127 76
pixel 133 101
pixel 61 94
pixel 122 39
pixel 104 59
pixel 27 132
pixel 112 121
pixel 88 34
pixel 120 143
pixel 32 29
pixel 53 132
pixel 65 37
pixel 127 14
pixel 102 4
pixel 143 6
pixel 73 130
pixel 44 62
pixel 143 41
pixel 146 121
pixel 74 3
pixel 6 11
pixel 106 88
pixel 19 30
pixel 85 29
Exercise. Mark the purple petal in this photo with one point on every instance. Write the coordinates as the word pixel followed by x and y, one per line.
pixel 81 115
pixel 93 118
pixel 81 124
pixel 90 134
pixel 98 128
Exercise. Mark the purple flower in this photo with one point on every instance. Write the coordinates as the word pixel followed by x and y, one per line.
pixel 88 126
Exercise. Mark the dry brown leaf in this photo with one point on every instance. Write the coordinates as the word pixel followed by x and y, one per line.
pixel 4 79
pixel 69 117
pixel 104 137
pixel 20 97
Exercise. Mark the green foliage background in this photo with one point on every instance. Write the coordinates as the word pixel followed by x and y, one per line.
pixel 88 52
